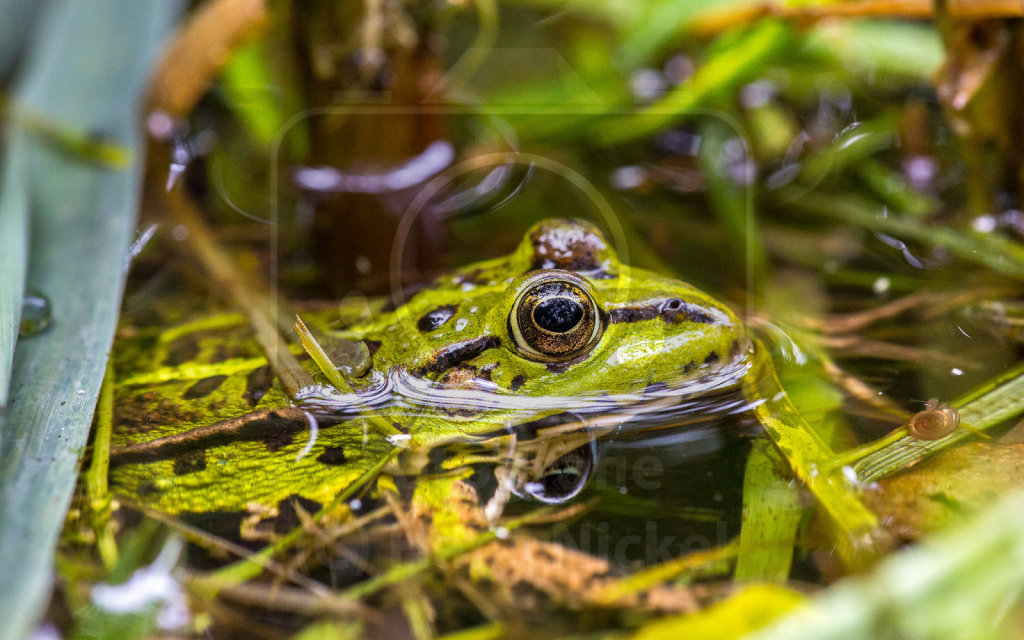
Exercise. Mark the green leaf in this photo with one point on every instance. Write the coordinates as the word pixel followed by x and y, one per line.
pixel 13 258
pixel 86 68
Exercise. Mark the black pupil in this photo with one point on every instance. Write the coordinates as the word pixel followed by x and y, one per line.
pixel 558 315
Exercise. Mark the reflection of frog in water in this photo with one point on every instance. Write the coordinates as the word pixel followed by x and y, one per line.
pixel 522 360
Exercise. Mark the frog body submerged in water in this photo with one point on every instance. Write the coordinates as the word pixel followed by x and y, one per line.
pixel 555 343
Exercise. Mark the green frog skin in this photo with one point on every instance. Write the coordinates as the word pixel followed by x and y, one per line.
pixel 538 352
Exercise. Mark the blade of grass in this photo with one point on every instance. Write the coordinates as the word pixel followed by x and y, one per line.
pixel 86 68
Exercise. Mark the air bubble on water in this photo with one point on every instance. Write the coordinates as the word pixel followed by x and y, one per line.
pixel 36 314
pixel 501 533
pixel 957 371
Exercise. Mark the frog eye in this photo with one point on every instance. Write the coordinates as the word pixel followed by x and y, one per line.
pixel 555 317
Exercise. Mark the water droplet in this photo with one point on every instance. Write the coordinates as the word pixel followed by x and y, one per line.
pixel 36 315
pixel 957 371
pixel 352 358
pixel 355 504
pixel 501 533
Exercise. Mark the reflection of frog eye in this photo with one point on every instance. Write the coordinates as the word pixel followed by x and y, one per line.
pixel 554 318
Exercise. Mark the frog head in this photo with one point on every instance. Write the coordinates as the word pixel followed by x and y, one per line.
pixel 560 316
pixel 543 340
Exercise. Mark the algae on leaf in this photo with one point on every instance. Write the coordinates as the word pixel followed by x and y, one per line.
pixel 85 68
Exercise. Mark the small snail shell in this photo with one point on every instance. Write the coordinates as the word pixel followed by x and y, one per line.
pixel 933 422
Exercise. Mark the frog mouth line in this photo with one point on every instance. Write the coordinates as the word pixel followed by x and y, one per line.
pixel 404 389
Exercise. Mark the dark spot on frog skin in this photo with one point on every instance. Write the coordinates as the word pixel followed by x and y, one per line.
pixel 517 383
pixel 139 413
pixel 258 384
pixel 654 387
pixel 223 524
pixel 711 359
pixel 287 510
pixel 670 311
pixel 190 462
pixel 277 441
pixel 524 591
pixel 372 345
pixel 406 485
pixel 474 277
pixel 147 489
pixel 184 349
pixel 567 244
pixel 436 318
pixel 204 387
pixel 559 367
pixel 332 456
pixel 454 354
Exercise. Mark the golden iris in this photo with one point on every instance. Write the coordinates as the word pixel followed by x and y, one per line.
pixel 555 317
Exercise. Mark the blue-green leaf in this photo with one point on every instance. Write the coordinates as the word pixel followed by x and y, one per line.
pixel 85 68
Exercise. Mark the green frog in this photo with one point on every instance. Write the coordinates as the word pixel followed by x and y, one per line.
pixel 522 361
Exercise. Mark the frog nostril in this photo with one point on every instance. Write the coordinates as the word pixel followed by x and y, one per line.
pixel 558 315
pixel 675 304
pixel 434 319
